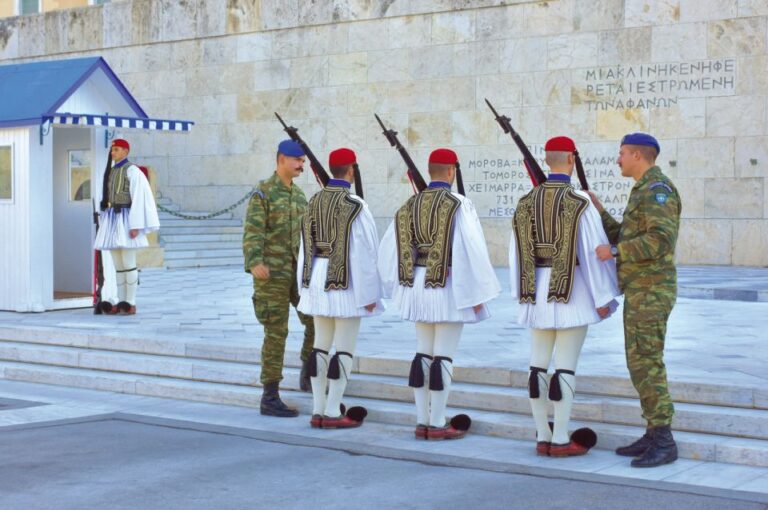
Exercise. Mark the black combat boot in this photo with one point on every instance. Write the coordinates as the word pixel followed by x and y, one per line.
pixel 304 382
pixel 271 405
pixel 638 447
pixel 663 449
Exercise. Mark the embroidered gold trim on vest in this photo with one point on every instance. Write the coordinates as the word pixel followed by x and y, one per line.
pixel 546 224
pixel 424 228
pixel 326 231
pixel 119 187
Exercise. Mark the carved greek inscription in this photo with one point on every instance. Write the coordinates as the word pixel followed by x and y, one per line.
pixel 645 86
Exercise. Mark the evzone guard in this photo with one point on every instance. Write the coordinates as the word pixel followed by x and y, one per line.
pixel 435 266
pixel 338 284
pixel 562 288
pixel 127 213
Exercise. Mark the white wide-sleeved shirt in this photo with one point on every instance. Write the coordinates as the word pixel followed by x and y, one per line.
pixel 142 216
pixel 364 284
pixel 471 279
pixel 594 282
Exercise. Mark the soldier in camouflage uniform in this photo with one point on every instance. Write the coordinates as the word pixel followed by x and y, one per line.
pixel 644 247
pixel 270 247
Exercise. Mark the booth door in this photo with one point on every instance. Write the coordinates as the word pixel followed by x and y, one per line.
pixel 72 213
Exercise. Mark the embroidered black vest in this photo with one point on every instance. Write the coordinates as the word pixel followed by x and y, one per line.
pixel 326 231
pixel 424 228
pixel 119 187
pixel 546 225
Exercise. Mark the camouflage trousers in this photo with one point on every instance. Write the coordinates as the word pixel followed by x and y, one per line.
pixel 271 300
pixel 645 325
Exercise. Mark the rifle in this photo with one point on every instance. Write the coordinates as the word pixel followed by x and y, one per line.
pixel 580 172
pixel 317 168
pixel 417 181
pixel 534 170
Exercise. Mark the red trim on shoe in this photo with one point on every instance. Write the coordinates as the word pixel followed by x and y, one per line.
pixel 342 422
pixel 316 421
pixel 570 449
pixel 420 432
pixel 542 448
pixel 440 433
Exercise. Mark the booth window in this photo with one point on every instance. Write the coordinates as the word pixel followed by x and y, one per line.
pixel 6 172
pixel 29 6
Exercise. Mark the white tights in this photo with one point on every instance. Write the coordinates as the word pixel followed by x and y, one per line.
pixel 440 339
pixel 567 345
pixel 127 276
pixel 342 333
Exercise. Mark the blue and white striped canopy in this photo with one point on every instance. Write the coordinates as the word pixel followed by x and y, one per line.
pixel 74 119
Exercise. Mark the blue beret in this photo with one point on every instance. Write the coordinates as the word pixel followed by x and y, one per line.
pixel 641 139
pixel 290 148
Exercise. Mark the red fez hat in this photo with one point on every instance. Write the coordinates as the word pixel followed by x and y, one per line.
pixel 342 157
pixel 560 144
pixel 119 142
pixel 443 157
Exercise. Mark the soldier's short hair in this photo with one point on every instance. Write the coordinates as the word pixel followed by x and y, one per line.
pixel 439 169
pixel 647 152
pixel 556 158
pixel 339 172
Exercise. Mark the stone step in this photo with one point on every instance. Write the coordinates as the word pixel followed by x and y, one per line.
pixel 236 244
pixel 505 425
pixel 202 262
pixel 708 393
pixel 201 238
pixel 213 222
pixel 212 252
pixel 192 230
pixel 605 409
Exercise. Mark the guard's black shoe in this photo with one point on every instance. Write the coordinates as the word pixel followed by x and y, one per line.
pixel 638 447
pixel 304 382
pixel 663 449
pixel 271 405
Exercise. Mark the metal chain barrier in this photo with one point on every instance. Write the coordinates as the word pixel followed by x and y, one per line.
pixel 210 215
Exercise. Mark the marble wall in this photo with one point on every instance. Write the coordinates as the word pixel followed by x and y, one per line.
pixel 693 72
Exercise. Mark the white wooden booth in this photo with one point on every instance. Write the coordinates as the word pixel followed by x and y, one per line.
pixel 56 120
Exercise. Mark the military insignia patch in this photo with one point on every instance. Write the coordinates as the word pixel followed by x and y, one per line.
pixel 661 198
pixel 659 184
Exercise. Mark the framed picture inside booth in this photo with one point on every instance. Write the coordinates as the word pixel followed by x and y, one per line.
pixel 79 175
pixel 6 173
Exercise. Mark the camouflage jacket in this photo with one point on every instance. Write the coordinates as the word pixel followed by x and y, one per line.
pixel 647 235
pixel 273 227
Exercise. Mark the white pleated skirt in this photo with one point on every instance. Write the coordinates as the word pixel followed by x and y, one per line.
pixel 113 232
pixel 432 305
pixel 315 300
pixel 578 311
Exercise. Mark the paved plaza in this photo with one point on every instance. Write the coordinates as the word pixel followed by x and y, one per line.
pixel 73 448
pixel 708 340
